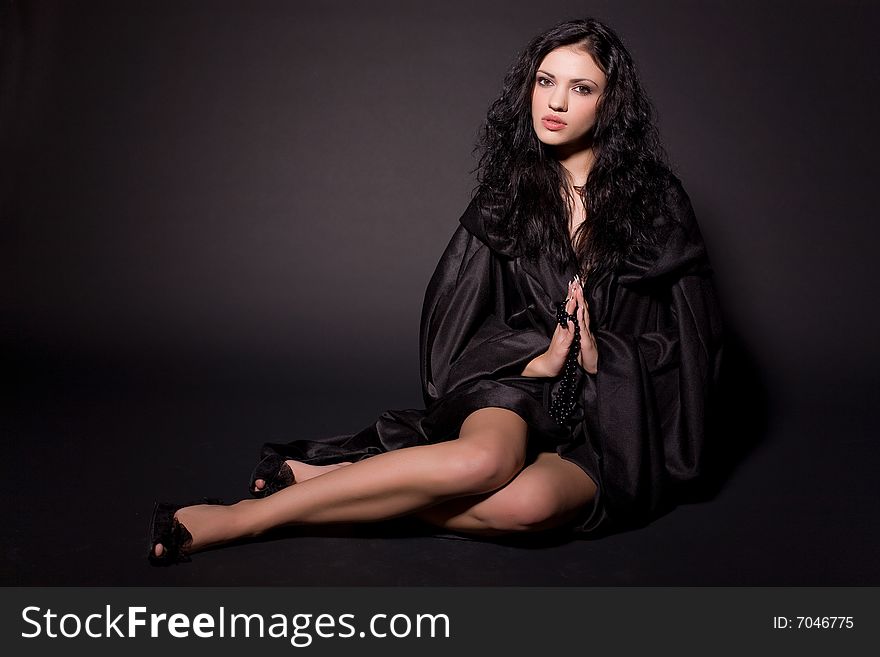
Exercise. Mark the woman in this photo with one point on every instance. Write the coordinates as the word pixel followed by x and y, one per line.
pixel 569 336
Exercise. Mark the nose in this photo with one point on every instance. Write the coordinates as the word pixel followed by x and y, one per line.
pixel 558 99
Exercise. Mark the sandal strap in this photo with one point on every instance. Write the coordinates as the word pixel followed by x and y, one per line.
pixel 171 533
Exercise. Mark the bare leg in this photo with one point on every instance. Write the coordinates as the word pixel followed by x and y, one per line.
pixel 304 471
pixel 548 492
pixel 488 453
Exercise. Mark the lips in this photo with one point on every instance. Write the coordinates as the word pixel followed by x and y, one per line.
pixel 553 122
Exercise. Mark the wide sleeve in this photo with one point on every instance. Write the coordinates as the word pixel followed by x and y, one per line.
pixel 659 358
pixel 471 327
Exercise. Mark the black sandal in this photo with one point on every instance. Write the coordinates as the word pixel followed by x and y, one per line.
pixel 273 470
pixel 174 537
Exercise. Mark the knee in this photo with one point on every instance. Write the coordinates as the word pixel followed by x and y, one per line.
pixel 482 467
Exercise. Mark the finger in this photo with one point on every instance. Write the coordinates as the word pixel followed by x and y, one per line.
pixel 586 308
pixel 585 318
pixel 564 337
pixel 584 325
pixel 564 331
pixel 571 302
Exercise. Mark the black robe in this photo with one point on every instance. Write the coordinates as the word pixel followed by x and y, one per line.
pixel 639 425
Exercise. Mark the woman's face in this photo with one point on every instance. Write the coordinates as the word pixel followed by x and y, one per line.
pixel 567 87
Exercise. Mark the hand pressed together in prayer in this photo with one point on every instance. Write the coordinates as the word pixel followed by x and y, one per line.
pixel 551 362
pixel 588 358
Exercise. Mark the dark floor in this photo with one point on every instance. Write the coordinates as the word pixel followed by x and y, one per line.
pixel 85 460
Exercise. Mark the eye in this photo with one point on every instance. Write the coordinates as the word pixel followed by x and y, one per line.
pixel 583 90
pixel 542 80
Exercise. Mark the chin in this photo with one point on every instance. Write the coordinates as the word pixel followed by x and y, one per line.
pixel 558 143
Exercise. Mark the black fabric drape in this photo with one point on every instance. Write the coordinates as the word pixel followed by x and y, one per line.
pixel 639 428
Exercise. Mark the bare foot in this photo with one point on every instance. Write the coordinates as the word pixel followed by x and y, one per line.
pixel 304 471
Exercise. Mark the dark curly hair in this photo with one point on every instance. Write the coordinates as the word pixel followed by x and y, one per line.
pixel 625 185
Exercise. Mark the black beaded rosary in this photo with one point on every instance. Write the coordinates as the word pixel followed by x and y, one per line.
pixel 563 401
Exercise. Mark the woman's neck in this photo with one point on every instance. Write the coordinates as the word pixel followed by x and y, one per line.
pixel 577 165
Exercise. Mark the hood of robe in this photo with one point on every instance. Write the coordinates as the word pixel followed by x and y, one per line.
pixel 481 213
pixel 681 252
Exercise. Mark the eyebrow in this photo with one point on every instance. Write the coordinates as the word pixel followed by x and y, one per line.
pixel 550 75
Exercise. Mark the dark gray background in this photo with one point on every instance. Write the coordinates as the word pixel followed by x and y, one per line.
pixel 219 219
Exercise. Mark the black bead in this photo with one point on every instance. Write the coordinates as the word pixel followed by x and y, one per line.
pixel 563 401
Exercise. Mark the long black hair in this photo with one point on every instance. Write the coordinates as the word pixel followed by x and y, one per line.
pixel 625 184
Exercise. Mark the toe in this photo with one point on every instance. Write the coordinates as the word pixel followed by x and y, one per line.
pixel 158 550
pixel 259 484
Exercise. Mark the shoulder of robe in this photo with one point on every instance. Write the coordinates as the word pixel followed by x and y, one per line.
pixel 482 219
pixel 680 252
